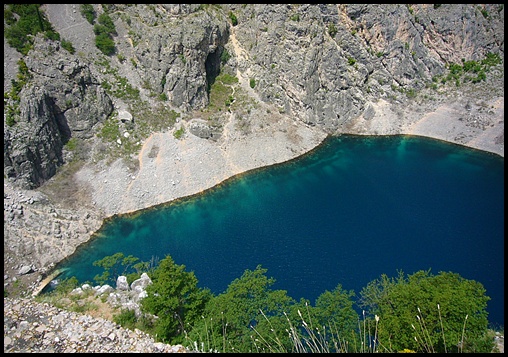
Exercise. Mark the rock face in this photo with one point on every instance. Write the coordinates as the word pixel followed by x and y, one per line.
pixel 61 101
pixel 321 64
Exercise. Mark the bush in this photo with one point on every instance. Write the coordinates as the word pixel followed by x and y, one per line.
pixel 30 22
pixel 175 298
pixel 107 23
pixel 126 318
pixel 179 133
pixel 233 18
pixel 332 29
pixel 68 46
pixel 88 13
pixel 445 304
pixel 225 56
pixel 252 82
pixel 105 44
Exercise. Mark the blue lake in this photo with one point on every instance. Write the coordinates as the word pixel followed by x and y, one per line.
pixel 351 210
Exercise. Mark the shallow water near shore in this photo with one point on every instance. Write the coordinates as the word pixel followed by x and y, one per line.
pixel 351 210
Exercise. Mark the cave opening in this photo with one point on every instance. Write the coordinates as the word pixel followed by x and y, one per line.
pixel 212 67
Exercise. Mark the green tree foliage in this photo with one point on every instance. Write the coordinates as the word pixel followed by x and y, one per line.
pixel 31 20
pixel 233 18
pixel 108 26
pixel 248 302
pixel 88 12
pixel 119 264
pixel 225 56
pixel 105 43
pixel 68 46
pixel 175 299
pixel 439 307
pixel 334 309
pixel 104 30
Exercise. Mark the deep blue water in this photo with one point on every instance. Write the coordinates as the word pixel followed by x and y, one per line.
pixel 351 210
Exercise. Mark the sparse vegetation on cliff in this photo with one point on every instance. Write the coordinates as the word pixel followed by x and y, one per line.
pixel 24 21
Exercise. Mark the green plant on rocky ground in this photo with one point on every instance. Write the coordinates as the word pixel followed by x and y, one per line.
pixel 147 119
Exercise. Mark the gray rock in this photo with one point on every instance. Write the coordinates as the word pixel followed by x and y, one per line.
pixel 121 283
pixel 140 284
pixel 25 269
pixel 124 116
pixel 104 289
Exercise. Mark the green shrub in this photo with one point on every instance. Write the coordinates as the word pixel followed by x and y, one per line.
pixel 126 318
pixel 252 82
pixel 332 29
pixel 105 44
pixel 233 18
pixel 179 133
pixel 444 303
pixel 107 23
pixel 31 20
pixel 9 117
pixel 88 12
pixel 67 285
pixel 72 144
pixel 225 56
pixel 68 46
pixel 174 296
pixel 491 59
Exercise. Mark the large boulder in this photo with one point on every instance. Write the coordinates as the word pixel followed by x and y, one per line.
pixel 139 285
pixel 121 283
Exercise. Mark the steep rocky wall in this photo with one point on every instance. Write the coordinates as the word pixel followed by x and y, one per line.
pixel 62 100
pixel 324 65
pixel 326 77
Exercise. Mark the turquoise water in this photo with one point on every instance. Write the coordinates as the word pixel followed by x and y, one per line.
pixel 353 209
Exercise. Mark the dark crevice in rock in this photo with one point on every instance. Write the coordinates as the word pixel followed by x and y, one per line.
pixel 212 67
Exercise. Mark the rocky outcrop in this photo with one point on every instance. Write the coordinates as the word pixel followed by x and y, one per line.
pixel 323 63
pixel 178 48
pixel 30 327
pixel 62 100
pixel 33 147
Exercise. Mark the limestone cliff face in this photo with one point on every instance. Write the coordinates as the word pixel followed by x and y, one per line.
pixel 62 100
pixel 320 64
pixel 323 62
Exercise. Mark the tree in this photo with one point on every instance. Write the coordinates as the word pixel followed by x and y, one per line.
pixel 108 24
pixel 248 303
pixel 116 265
pixel 105 44
pixel 88 12
pixel 444 313
pixel 334 309
pixel 175 299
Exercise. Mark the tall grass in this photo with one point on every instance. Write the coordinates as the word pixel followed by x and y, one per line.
pixel 307 338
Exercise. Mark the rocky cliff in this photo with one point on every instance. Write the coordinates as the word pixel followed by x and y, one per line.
pixel 324 65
